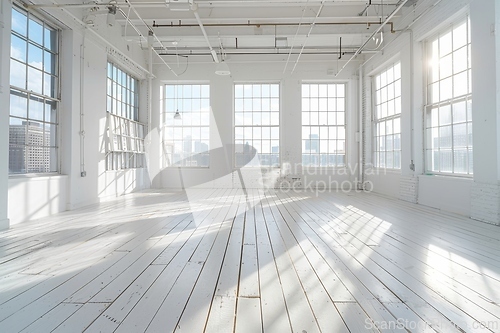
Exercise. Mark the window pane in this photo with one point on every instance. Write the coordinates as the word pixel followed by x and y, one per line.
pixel 460 36
pixel 460 83
pixel 18 104
pixel 460 60
pixel 35 32
pixel 445 44
pixel 36 108
pixel 17 74
pixel 50 39
pixel 18 48
pixel 35 55
pixel 19 22
pixel 35 81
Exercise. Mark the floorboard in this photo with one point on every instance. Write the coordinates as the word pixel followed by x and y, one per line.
pixel 228 260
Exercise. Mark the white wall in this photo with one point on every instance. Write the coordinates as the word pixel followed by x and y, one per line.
pixel 33 196
pixel 447 193
pixel 485 22
pixel 36 198
pixel 221 98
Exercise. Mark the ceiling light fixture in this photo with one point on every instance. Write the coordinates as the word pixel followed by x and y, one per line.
pixel 177 115
pixel 281 42
pixel 222 69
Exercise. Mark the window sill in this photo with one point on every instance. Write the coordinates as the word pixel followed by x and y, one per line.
pixel 384 170
pixel 37 175
pixel 325 167
pixel 33 175
pixel 121 170
pixel 188 167
pixel 446 175
pixel 249 167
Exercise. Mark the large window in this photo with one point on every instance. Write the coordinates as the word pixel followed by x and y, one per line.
pixel 123 93
pixel 257 121
pixel 187 124
pixel 449 112
pixel 34 93
pixel 125 149
pixel 387 118
pixel 323 124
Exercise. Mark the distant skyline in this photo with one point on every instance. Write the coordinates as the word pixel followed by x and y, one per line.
pixel 27 152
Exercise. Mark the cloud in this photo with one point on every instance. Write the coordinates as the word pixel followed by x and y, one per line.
pixel 15 52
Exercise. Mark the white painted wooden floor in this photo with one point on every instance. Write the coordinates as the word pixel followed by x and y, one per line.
pixel 217 261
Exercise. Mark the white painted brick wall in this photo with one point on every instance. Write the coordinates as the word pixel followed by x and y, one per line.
pixel 485 202
pixel 408 189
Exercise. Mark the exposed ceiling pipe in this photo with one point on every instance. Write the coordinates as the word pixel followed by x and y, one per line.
pixel 70 5
pixel 366 8
pixel 212 52
pixel 407 28
pixel 145 38
pixel 294 38
pixel 127 22
pixel 222 3
pixel 130 23
pixel 257 50
pixel 274 20
pixel 291 24
pixel 340 48
pixel 96 34
pixel 260 53
pixel 401 4
pixel 307 36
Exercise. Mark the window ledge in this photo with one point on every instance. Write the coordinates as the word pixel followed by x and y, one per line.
pixel 37 175
pixel 447 176
pixel 248 167
pixel 384 170
pixel 188 167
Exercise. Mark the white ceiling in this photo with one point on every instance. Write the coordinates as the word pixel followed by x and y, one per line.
pixel 257 26
pixel 237 28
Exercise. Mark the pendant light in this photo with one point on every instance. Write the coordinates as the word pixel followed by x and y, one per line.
pixel 177 115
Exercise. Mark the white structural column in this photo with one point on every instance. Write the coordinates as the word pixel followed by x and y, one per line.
pixel 408 182
pixel 5 13
pixel 485 38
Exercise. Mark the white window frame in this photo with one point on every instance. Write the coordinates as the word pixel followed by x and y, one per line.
pixel 45 126
pixel 125 145
pixel 387 117
pixel 192 101
pixel 324 114
pixel 257 109
pixel 446 116
pixel 125 148
pixel 122 93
